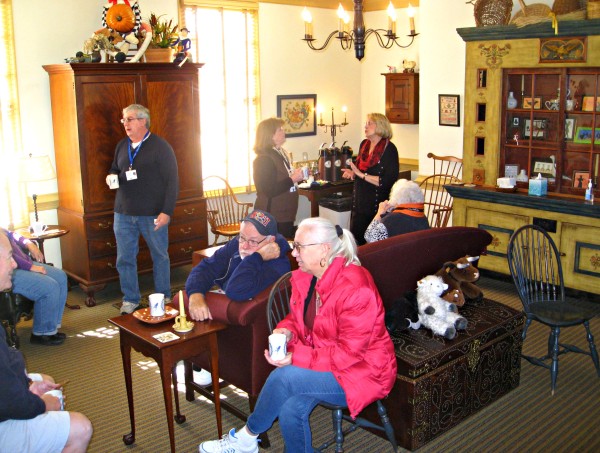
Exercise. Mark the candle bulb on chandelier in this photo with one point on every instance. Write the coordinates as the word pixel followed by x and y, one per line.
pixel 320 112
pixel 391 19
pixel 341 14
pixel 411 18
pixel 345 109
pixel 307 17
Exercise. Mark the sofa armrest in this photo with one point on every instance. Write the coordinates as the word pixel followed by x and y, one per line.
pixel 232 312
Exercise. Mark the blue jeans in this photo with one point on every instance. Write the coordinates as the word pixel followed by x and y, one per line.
pixel 49 293
pixel 127 231
pixel 290 394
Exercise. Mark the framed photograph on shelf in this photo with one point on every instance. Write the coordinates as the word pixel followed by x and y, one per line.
pixel 537 131
pixel 511 171
pixel 543 166
pixel 587 104
pixel 449 109
pixel 569 128
pixel 299 111
pixel 583 134
pixel 581 179
pixel 536 103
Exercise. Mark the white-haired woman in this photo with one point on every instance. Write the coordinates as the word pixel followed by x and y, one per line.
pixel 336 342
pixel 402 213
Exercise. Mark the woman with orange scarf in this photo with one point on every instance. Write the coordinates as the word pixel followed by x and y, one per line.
pixel 402 213
pixel 375 171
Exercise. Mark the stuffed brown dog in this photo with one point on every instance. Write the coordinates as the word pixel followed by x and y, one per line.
pixel 460 276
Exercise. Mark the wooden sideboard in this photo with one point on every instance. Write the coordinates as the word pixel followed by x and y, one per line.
pixel 572 223
pixel 87 102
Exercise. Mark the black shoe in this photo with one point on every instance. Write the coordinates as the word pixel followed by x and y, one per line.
pixel 46 340
pixel 62 336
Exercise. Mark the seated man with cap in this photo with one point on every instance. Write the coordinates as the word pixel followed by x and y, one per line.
pixel 243 267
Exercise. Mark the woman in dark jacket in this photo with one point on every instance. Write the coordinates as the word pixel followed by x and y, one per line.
pixel 374 173
pixel 274 177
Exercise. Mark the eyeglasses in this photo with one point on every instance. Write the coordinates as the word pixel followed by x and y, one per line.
pixel 250 242
pixel 129 120
pixel 298 247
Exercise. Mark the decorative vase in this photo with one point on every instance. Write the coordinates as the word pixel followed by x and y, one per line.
pixel 511 102
pixel 159 55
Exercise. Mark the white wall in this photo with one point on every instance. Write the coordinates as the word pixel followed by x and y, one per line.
pixel 287 67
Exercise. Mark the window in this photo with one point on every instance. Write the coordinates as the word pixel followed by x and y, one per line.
pixel 225 39
pixel 13 208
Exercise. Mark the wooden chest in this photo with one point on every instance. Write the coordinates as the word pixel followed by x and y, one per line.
pixel 442 382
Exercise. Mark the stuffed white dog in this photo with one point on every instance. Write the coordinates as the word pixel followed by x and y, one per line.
pixel 434 312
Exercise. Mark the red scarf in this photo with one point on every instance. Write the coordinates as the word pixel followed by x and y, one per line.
pixel 365 160
pixel 410 209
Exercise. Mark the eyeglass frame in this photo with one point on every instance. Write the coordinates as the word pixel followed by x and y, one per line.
pixel 250 242
pixel 298 247
pixel 129 120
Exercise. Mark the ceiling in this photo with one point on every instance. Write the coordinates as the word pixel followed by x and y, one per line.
pixel 369 5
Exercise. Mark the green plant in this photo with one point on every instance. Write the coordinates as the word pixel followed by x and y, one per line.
pixel 164 34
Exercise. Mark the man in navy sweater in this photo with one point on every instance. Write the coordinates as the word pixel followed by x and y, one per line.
pixel 31 420
pixel 243 267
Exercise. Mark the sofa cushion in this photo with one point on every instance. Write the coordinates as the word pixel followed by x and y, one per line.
pixel 397 263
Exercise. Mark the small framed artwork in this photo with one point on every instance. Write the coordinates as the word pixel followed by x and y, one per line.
pixel 563 50
pixel 587 104
pixel 511 171
pixel 569 128
pixel 535 103
pixel 581 179
pixel 583 134
pixel 449 109
pixel 538 130
pixel 515 121
pixel 543 166
pixel 299 113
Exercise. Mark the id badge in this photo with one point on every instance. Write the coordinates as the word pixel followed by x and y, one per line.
pixel 131 175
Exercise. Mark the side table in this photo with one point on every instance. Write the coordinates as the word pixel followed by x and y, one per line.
pixel 138 335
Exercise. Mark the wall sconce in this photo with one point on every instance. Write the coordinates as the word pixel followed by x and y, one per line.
pixel 333 128
pixel 36 169
pixel 358 35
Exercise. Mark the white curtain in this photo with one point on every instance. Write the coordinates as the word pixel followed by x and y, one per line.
pixel 13 208
pixel 225 38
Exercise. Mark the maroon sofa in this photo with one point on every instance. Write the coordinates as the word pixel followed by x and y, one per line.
pixel 396 264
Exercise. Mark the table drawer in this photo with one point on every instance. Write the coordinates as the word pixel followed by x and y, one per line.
pixel 99 226
pixel 182 251
pixel 189 211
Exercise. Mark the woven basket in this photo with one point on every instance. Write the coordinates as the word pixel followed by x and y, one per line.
pixel 531 14
pixel 492 12
pixel 593 9
pixel 565 6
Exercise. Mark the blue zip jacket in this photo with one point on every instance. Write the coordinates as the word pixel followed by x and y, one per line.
pixel 241 279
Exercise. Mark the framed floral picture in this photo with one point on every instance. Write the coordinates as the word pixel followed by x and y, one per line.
pixel 299 113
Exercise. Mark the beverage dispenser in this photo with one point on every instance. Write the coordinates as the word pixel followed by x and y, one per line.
pixel 324 163
pixel 346 155
pixel 336 163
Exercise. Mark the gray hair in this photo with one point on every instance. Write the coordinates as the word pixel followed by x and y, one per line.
pixel 405 191
pixel 324 232
pixel 140 112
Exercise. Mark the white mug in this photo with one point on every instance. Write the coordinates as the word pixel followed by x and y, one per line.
pixel 58 394
pixel 38 228
pixel 113 181
pixel 277 346
pixel 157 304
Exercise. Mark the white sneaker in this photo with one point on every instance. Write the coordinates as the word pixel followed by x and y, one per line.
pixel 228 444
pixel 202 377
pixel 128 307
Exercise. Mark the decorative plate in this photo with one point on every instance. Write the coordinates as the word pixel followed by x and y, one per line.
pixel 144 315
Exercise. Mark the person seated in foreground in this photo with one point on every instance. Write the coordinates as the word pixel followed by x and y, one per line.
pixel 243 267
pixel 403 213
pixel 31 420
pixel 45 285
pixel 336 342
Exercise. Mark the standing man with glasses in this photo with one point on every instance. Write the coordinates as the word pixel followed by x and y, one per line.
pixel 144 203
pixel 243 267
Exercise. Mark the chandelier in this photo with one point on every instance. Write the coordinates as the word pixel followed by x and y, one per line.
pixel 358 36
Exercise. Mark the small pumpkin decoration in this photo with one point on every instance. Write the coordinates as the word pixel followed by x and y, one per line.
pixel 121 18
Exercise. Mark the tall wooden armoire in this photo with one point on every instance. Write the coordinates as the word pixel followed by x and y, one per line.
pixel 87 102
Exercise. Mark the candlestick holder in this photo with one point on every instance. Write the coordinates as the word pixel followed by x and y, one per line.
pixel 333 128
pixel 182 324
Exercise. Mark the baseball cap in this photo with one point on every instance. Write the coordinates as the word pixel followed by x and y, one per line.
pixel 264 222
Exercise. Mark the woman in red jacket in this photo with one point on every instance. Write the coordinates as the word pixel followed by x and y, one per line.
pixel 338 350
